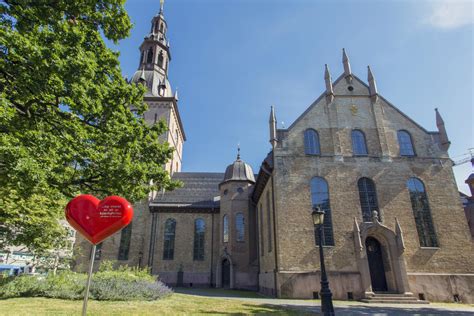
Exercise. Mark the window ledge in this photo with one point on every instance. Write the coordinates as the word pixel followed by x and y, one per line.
pixel 430 248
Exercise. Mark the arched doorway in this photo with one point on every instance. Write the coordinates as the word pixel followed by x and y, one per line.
pixel 376 266
pixel 225 273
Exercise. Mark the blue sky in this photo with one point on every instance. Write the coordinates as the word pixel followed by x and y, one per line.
pixel 232 60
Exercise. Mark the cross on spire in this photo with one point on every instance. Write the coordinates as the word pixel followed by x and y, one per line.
pixel 238 151
pixel 162 4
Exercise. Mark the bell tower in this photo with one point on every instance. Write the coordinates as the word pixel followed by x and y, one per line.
pixel 152 72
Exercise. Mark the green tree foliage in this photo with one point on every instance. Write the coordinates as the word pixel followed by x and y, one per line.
pixel 65 121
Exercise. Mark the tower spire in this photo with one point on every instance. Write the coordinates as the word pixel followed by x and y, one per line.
pixel 443 136
pixel 347 66
pixel 328 80
pixel 372 85
pixel 162 4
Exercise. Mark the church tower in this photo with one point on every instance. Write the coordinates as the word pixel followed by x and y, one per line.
pixel 162 103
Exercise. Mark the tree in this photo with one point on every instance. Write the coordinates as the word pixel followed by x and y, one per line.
pixel 65 121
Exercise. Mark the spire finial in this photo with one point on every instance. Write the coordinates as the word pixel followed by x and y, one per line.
pixel 372 85
pixel 238 151
pixel 162 4
pixel 328 80
pixel 347 65
pixel 273 127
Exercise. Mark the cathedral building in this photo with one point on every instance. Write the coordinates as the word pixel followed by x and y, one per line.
pixel 393 220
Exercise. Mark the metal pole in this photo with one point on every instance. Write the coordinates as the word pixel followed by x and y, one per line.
pixel 88 284
pixel 326 296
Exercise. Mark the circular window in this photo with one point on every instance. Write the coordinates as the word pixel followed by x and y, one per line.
pixel 226 191
pixel 350 88
pixel 240 190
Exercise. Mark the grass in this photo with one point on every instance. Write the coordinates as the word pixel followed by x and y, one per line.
pixel 176 304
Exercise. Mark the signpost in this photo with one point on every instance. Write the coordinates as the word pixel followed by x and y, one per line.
pixel 96 220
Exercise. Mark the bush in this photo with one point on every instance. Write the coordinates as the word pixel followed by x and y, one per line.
pixel 122 284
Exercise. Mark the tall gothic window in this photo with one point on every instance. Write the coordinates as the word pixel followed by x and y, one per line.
pixel 368 198
pixel 168 247
pixel 311 142
pixel 240 226
pixel 125 238
pixel 405 143
pixel 359 147
pixel 160 60
pixel 262 242
pixel 320 198
pixel 225 229
pixel 422 213
pixel 149 56
pixel 199 232
pixel 269 222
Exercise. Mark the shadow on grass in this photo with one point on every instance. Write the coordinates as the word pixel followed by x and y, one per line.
pixel 268 309
pixel 402 311
pixel 207 292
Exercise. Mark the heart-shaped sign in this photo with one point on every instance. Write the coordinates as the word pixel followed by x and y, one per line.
pixel 96 219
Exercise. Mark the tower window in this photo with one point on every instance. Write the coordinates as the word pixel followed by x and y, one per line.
pixel 422 213
pixel 160 60
pixel 149 56
pixel 142 55
pixel 199 234
pixel 240 227
pixel 311 142
pixel 161 27
pixel 320 198
pixel 405 143
pixel 125 239
pixel 225 229
pixel 359 147
pixel 169 234
pixel 368 198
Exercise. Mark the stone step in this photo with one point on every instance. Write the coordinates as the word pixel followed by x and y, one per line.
pixel 383 301
pixel 393 298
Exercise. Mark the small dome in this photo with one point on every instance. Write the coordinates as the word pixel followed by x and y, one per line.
pixel 239 171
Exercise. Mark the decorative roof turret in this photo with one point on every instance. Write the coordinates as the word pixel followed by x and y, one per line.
pixel 238 171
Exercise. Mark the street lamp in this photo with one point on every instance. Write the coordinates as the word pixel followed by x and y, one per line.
pixel 326 295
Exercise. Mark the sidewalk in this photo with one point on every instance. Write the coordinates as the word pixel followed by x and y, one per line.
pixel 341 307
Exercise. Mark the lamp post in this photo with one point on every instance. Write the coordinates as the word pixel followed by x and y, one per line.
pixel 326 295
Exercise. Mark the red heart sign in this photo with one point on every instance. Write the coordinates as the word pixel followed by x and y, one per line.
pixel 97 220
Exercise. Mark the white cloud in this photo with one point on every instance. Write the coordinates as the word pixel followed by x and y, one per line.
pixel 451 14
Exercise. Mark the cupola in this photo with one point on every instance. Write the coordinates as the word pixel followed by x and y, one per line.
pixel 238 171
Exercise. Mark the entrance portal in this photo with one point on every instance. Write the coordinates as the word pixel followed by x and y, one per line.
pixel 376 267
pixel 225 273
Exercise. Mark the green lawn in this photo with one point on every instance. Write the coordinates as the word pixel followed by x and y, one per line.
pixel 176 304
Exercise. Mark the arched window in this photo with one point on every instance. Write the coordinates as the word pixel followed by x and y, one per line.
pixel 368 198
pixel 359 147
pixel 125 238
pixel 422 213
pixel 161 27
pixel 262 242
pixel 199 232
pixel 160 60
pixel 168 247
pixel 240 227
pixel 149 56
pixel 225 229
pixel 142 55
pixel 320 198
pixel 311 142
pixel 405 143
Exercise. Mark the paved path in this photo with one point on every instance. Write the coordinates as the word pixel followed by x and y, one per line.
pixel 341 307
